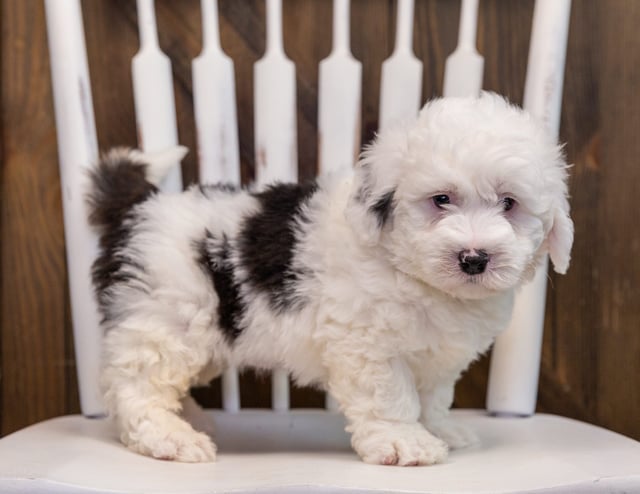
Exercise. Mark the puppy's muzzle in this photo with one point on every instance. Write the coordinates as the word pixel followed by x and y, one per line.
pixel 473 261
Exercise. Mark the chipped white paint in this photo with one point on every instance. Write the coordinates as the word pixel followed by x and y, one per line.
pixel 77 151
pixel 214 99
pixel 465 67
pixel 275 106
pixel 401 83
pixel 153 94
pixel 339 96
pixel 515 363
pixel 276 145
pixel 547 54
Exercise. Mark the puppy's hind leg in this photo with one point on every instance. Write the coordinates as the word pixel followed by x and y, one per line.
pixel 145 375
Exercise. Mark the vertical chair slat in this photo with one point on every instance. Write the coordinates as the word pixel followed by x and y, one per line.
pixel 275 106
pixel 401 84
pixel 153 94
pixel 77 150
pixel 214 100
pixel 339 96
pixel 275 134
pixel 465 67
pixel 231 390
pixel 515 363
pixel 280 399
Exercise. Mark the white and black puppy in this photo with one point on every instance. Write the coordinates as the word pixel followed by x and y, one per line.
pixel 380 287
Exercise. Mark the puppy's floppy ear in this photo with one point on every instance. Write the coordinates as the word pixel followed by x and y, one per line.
pixel 377 176
pixel 560 238
pixel 370 207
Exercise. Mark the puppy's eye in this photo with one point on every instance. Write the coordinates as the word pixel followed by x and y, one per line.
pixel 508 203
pixel 440 200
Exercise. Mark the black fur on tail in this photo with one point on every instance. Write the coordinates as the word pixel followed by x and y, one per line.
pixel 118 183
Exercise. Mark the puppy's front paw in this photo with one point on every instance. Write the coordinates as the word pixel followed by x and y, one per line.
pixel 387 443
pixel 456 435
pixel 172 439
pixel 185 446
pixel 197 417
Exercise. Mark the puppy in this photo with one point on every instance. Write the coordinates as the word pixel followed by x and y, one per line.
pixel 380 287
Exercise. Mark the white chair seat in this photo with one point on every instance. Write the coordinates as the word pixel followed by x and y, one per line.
pixel 307 451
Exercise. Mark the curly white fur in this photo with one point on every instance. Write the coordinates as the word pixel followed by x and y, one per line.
pixel 386 319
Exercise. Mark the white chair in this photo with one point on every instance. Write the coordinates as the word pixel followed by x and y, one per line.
pixel 284 450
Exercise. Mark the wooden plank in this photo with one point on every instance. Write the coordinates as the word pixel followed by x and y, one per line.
pixel 618 343
pixel 371 46
pixel 307 40
pixel 2 182
pixel 33 364
pixel 435 38
pixel 112 41
pixel 505 69
pixel 242 34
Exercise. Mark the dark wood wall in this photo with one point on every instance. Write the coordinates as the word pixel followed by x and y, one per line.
pixel 591 358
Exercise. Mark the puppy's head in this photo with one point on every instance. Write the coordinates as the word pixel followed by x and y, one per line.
pixel 468 199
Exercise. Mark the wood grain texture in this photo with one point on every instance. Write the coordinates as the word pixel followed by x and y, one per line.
pixel 35 365
pixel 590 367
pixel 618 239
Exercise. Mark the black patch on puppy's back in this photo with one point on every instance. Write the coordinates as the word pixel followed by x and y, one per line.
pixel 268 239
pixel 214 259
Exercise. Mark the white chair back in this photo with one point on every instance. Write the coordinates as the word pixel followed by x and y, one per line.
pixel 516 356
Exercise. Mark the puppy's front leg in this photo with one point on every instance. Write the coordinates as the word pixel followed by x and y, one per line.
pixel 382 407
pixel 435 406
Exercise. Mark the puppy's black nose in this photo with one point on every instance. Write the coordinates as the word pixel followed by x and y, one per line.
pixel 473 261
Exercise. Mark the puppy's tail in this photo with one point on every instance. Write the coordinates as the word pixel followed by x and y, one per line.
pixel 125 177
